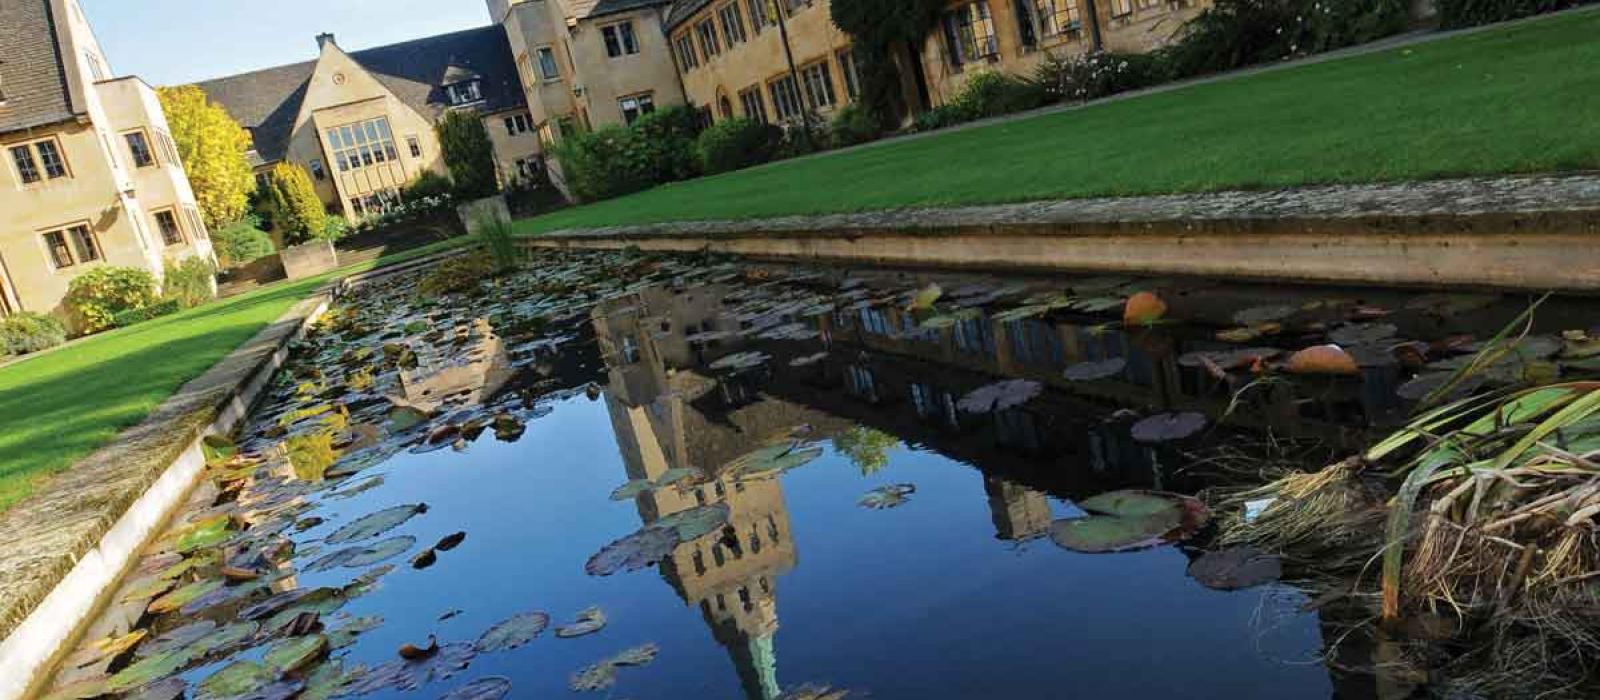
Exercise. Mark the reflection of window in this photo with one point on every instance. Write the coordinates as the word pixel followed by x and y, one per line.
pixel 620 40
pixel 1017 429
pixel 819 84
pixel 316 169
pixel 375 203
pixel 754 107
pixel 139 147
pixel 630 350
pixel 168 223
pixel 1035 342
pixel 364 143
pixel 860 382
pixel 975 336
pixel 699 562
pixel 547 64
pixel 874 321
pixel 636 106
pixel 758 14
pixel 197 225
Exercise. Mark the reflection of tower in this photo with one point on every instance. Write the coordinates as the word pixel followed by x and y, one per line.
pixel 730 574
pixel 1019 513
pixel 467 374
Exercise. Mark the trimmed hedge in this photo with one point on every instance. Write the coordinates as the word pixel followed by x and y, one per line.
pixel 1469 13
pixel 98 295
pixel 25 332
pixel 140 315
pixel 616 160
pixel 733 144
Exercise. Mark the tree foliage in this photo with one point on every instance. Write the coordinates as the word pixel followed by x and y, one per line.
pixel 296 209
pixel 879 27
pixel 212 146
pixel 866 448
pixel 468 154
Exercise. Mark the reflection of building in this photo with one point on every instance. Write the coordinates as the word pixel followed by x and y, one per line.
pixel 90 174
pixel 1019 513
pixel 462 375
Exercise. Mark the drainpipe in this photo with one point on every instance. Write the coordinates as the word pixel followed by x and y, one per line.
pixel 788 53
pixel 1095 43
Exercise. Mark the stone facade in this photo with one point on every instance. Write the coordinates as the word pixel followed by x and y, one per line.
pixel 90 175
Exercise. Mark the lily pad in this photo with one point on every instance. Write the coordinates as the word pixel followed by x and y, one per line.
pixel 1022 312
pixel 169 689
pixel 1091 371
pixel 1130 504
pixel 891 496
pixel 489 688
pixel 178 598
pixel 589 621
pixel 206 533
pixel 1000 396
pixel 512 632
pixel 1263 314
pixel 673 476
pixel 694 523
pixel 1354 334
pixel 773 459
pixel 1235 568
pixel 381 552
pixel 223 639
pixel 374 524
pixel 1166 427
pixel 408 674
pixel 636 551
pixel 295 653
pixel 236 680
pixel 632 489
pixel 1097 534
pixel 149 670
pixel 177 638
pixel 741 360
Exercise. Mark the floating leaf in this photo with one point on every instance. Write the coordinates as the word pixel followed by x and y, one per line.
pixel 1021 312
pixel 149 670
pixel 673 476
pixel 741 360
pixel 295 653
pixel 178 598
pixel 925 297
pixel 808 360
pixel 381 552
pixel 237 679
pixel 636 551
pixel 346 634
pixel 1105 533
pixel 1165 427
pixel 512 632
pixel 890 496
pixel 1235 568
pixel 1143 309
pixel 1353 334
pixel 408 674
pixel 489 688
pixel 1091 371
pixel 589 621
pixel 1257 315
pixel 147 588
pixel 1000 396
pixel 177 638
pixel 1130 504
pixel 1323 359
pixel 374 524
pixel 694 523
pixel 206 533
pixel 604 674
pixel 403 418
pixel 223 639
pixel 169 689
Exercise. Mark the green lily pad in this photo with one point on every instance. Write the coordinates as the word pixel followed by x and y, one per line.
pixel 1000 396
pixel 589 621
pixel 1130 504
pixel 512 632
pixel 403 418
pixel 374 524
pixel 237 679
pixel 1096 534
pixel 632 489
pixel 381 552
pixel 169 689
pixel 329 681
pixel 149 670
pixel 673 476
pixel 636 551
pixel 206 533
pixel 694 523
pixel 178 598
pixel 295 653
pixel 148 588
pixel 223 639
pixel 1020 312
pixel 891 496
pixel 347 633
pixel 489 688
pixel 80 690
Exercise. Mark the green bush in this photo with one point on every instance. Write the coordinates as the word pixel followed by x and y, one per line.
pixel 297 211
pixel 854 125
pixel 468 154
pixel 428 184
pixel 1092 76
pixel 669 137
pixel 605 163
pixel 130 317
pixel 190 282
pixel 99 294
pixel 241 241
pixel 458 274
pixel 988 94
pixel 1235 33
pixel 732 144
pixel 940 117
pixel 333 229
pixel 25 332
pixel 1468 13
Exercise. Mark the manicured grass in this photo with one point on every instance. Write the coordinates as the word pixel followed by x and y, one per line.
pixel 58 407
pixel 1516 99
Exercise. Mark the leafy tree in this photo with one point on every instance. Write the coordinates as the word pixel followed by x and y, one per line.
pixel 879 27
pixel 212 146
pixel 866 448
pixel 468 154
pixel 297 211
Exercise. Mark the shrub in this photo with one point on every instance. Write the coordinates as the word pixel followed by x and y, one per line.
pixel 241 241
pixel 803 138
pixel 988 94
pixel 495 233
pixel 854 125
pixel 1467 13
pixel 1235 33
pixel 732 144
pixel 605 163
pixel 333 229
pixel 130 317
pixel 669 140
pixel 460 273
pixel 297 211
pixel 99 294
pixel 1095 75
pixel 427 185
pixel 191 282
pixel 468 154
pixel 940 117
pixel 25 332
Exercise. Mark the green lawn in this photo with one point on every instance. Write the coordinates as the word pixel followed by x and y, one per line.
pixel 60 406
pixel 1522 98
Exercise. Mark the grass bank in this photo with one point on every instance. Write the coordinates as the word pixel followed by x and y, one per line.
pixel 1515 99
pixel 60 406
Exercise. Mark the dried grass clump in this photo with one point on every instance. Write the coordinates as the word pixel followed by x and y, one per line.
pixel 1327 520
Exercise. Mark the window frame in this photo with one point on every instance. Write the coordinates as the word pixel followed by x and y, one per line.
pixel 759 17
pixel 414 145
pixel 548 72
pixel 644 103
pixel 688 54
pixel 846 58
pixel 197 223
pixel 1064 18
pixel 733 30
pixel 37 161
pixel 753 95
pixel 619 39
pixel 786 81
pixel 177 227
pixel 471 92
pixel 706 29
pixel 816 79
pixel 149 151
pixel 73 236
pixel 354 146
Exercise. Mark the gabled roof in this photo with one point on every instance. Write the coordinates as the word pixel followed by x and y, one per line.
pixel 683 10
pixel 268 101
pixel 611 7
pixel 33 78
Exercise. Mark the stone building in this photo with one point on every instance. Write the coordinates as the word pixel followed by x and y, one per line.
pixel 764 60
pixel 91 176
pixel 362 122
pixel 584 64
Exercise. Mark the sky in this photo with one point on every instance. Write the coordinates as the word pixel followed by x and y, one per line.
pixel 172 42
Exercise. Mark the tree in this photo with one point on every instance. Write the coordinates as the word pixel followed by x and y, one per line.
pixel 878 27
pixel 468 154
pixel 297 211
pixel 212 146
pixel 866 448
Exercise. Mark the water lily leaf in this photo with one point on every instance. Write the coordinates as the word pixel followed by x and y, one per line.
pixel 1235 568
pixel 741 360
pixel 110 647
pixel 334 559
pixel 640 655
pixel 1130 504
pixel 374 524
pixel 636 551
pixel 1256 315
pixel 1091 371
pixel 178 598
pixel 632 489
pixel 147 588
pixel 1165 427
pixel 223 639
pixel 1097 534
pixel 1021 312
pixel 169 689
pixel 206 533
pixel 1228 360
pixel 403 418
pixel 942 321
pixel 381 552
pixel 237 679
pixel 177 638
pixel 925 297
pixel 776 458
pixel 408 674
pixel 1422 385
pixel 220 596
pixel 694 523
pixel 329 681
pixel 593 678
pixel 295 653
pixel 285 600
pixel 79 690
pixel 489 688
pixel 512 632
pixel 1143 309
pixel 149 669
pixel 808 360
pixel 891 496
pixel 1323 359
pixel 589 621
pixel 1450 304
pixel 673 476
pixel 1353 334
pixel 1000 396
pixel 346 634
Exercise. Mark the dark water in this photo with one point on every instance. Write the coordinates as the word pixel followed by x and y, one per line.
pixel 958 592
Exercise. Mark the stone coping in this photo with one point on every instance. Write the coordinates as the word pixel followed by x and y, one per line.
pixel 1569 201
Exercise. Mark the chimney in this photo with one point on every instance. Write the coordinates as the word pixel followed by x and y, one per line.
pixel 324 39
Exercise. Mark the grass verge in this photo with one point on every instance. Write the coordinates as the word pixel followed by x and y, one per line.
pixel 1515 99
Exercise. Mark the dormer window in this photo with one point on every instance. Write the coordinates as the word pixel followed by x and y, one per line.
pixel 464 93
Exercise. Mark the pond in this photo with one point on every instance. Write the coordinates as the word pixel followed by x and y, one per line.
pixel 646 477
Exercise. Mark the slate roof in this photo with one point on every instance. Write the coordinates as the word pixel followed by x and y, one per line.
pixel 33 79
pixel 683 10
pixel 267 101
pixel 611 7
